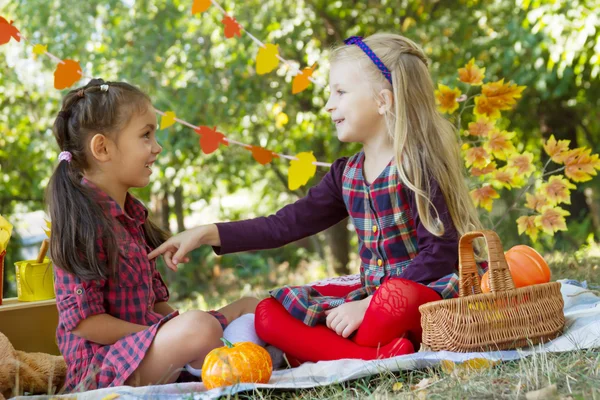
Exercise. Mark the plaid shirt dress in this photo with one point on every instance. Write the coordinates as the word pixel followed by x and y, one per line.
pixel 388 243
pixel 131 298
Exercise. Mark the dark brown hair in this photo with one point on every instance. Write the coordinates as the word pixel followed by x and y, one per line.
pixel 78 220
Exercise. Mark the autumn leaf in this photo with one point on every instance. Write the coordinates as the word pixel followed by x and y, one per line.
pixel 503 95
pixel 200 6
pixel 471 73
pixel 556 149
pixel 302 80
pixel 167 120
pixel 262 155
pixel 477 157
pixel 557 190
pixel 66 74
pixel 488 169
pixel 39 49
pixel 8 31
pixel 210 139
pixel 503 177
pixel 446 98
pixel 500 144
pixel 485 108
pixel 580 164
pixel 527 224
pixel 232 28
pixel 552 219
pixel 523 163
pixel 301 170
pixel 266 59
pixel 536 201
pixel 484 197
pixel 481 127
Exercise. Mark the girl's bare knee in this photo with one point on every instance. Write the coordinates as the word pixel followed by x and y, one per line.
pixel 249 304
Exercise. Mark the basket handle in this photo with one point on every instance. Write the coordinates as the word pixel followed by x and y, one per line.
pixel 499 275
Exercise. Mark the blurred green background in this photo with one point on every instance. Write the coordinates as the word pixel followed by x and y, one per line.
pixel 187 65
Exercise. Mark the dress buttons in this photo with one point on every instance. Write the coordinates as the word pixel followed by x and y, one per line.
pixel 79 291
pixel 380 262
pixel 374 228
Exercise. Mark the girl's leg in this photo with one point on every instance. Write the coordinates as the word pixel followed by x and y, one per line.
pixel 276 326
pixel 394 312
pixel 245 305
pixel 185 339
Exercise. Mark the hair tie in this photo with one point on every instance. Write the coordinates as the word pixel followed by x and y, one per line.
pixel 80 93
pixel 357 40
pixel 65 156
pixel 104 88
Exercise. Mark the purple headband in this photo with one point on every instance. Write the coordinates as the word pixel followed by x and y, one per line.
pixel 357 40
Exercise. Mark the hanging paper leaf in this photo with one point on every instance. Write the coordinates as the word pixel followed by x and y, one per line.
pixel 39 50
pixel 302 80
pixel 232 28
pixel 210 139
pixel 66 74
pixel 167 120
pixel 8 31
pixel 200 6
pixel 266 60
pixel 301 170
pixel 262 155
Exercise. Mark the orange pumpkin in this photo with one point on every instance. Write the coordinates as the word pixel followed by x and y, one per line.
pixel 243 362
pixel 527 267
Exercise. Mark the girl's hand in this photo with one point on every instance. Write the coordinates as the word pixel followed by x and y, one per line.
pixel 346 318
pixel 176 247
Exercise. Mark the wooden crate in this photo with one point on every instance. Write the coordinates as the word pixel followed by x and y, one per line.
pixel 30 326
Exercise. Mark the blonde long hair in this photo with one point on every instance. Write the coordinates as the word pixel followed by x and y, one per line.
pixel 425 143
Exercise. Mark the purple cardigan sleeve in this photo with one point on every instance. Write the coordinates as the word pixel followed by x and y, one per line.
pixel 438 256
pixel 321 208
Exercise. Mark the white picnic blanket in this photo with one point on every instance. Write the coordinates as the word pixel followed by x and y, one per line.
pixel 582 331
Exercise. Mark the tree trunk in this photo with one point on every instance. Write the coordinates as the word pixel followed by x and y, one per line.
pixel 338 241
pixel 178 197
pixel 165 209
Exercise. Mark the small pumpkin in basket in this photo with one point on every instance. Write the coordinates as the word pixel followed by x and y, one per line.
pixel 243 362
pixel 526 266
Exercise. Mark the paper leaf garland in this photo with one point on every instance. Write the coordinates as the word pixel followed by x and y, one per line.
pixel 200 6
pixel 8 31
pixel 66 74
pixel 167 120
pixel 301 170
pixel 302 80
pixel 232 28
pixel 210 139
pixel 266 60
pixel 262 155
pixel 39 49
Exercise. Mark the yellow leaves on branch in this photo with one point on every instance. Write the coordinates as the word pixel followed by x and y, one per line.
pixel 523 163
pixel 527 224
pixel 484 197
pixel 495 97
pixel 471 74
pixel 552 219
pixel 557 190
pixel 580 164
pixel 478 157
pixel 446 98
pixel 500 144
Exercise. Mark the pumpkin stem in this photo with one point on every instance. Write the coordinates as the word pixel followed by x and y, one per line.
pixel 227 343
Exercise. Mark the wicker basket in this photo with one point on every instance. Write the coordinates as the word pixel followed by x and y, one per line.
pixel 505 318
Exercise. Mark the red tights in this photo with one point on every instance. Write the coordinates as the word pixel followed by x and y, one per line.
pixel 391 326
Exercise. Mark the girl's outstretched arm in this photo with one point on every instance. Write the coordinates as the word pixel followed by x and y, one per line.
pixel 320 209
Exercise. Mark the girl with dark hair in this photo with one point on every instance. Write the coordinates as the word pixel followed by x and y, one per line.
pixel 115 325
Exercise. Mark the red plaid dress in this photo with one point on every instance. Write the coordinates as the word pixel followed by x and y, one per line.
pixel 388 244
pixel 131 298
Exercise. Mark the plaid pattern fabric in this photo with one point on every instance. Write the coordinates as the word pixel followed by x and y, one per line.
pixel 387 239
pixel 131 297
